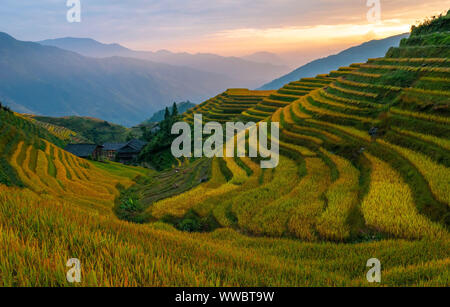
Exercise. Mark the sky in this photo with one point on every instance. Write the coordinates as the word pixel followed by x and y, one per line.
pixel 291 28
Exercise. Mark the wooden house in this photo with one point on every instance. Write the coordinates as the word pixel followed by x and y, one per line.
pixel 130 151
pixel 123 152
pixel 86 151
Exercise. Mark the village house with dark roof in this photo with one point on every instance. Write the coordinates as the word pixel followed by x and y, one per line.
pixel 110 150
pixel 86 151
pixel 130 151
pixel 123 152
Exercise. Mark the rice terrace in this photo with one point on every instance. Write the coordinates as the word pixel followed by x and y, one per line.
pixel 363 173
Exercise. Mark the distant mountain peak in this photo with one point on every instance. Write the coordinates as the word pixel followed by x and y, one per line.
pixel 265 57
pixel 86 46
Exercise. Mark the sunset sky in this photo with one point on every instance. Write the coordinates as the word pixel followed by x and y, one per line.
pixel 292 28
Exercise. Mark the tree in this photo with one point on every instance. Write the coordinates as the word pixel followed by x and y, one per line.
pixel 166 114
pixel 174 110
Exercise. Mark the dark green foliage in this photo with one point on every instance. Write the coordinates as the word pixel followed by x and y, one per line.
pixel 174 109
pixel 129 207
pixel 428 40
pixel 166 114
pixel 439 23
pixel 434 39
pixel 132 210
pixel 192 222
pixel 157 152
pixel 182 107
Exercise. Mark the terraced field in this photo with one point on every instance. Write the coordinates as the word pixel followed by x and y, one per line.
pixel 43 168
pixel 364 173
pixel 284 97
pixel 62 133
pixel 227 105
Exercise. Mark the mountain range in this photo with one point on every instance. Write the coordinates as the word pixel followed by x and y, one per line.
pixel 250 71
pixel 46 80
pixel 371 49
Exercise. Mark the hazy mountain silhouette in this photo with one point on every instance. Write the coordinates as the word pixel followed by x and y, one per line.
pixel 371 49
pixel 54 82
pixel 265 57
pixel 247 71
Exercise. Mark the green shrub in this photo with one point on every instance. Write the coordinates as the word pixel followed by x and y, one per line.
pixel 129 208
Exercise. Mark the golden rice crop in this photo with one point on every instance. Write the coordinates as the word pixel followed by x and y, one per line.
pixel 437 175
pixel 295 212
pixel 29 178
pixel 305 104
pixel 318 97
pixel 342 196
pixel 95 190
pixel 302 137
pixel 427 92
pixel 419 115
pixel 276 117
pixel 444 143
pixel 329 135
pixel 347 129
pixel 215 202
pixel 345 100
pixel 389 206
pixel 408 68
pixel 353 92
pixel 39 235
pixel 178 205
pixel 297 111
pixel 368 85
pixel 305 152
pixel 356 73
pixel 287 115
pixel 306 202
pixel 412 60
pixel 247 204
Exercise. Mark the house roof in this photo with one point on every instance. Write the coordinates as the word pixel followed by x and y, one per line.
pixel 113 146
pixel 133 146
pixel 81 150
